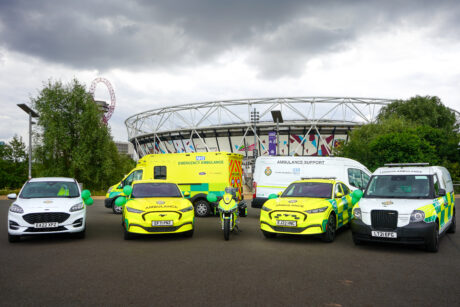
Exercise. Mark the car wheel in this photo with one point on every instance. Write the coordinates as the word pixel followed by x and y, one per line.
pixel 116 209
pixel 329 235
pixel 453 226
pixel 202 208
pixel 189 234
pixel 432 244
pixel 127 235
pixel 13 238
pixel 268 235
pixel 356 240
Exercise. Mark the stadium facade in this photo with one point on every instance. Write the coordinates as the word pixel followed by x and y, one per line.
pixel 310 125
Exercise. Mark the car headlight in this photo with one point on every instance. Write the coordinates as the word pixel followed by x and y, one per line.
pixel 16 209
pixel 109 190
pixel 417 216
pixel 133 210
pixel 266 209
pixel 318 210
pixel 186 209
pixel 357 213
pixel 77 207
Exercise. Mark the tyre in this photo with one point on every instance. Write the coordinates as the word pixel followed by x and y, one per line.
pixel 329 235
pixel 116 209
pixel 13 238
pixel 202 208
pixel 80 235
pixel 226 229
pixel 432 244
pixel 453 226
pixel 269 235
pixel 356 240
pixel 242 212
pixel 127 235
pixel 189 234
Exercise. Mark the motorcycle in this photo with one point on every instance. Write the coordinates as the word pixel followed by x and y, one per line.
pixel 229 211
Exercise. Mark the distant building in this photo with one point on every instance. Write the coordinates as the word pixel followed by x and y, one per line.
pixel 126 148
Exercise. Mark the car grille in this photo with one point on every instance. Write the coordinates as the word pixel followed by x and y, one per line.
pixel 161 229
pixel 287 229
pixel 47 217
pixel 384 219
pixel 31 229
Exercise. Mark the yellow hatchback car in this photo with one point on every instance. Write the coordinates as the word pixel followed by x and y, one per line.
pixel 314 206
pixel 152 207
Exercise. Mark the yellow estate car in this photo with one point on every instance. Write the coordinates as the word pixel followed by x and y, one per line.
pixel 313 206
pixel 153 207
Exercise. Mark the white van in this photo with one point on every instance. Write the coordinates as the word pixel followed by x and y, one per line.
pixel 406 203
pixel 274 173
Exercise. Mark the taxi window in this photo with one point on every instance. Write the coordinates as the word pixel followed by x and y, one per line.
pixel 436 185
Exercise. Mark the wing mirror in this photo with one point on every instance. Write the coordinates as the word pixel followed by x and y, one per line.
pixel 186 194
pixel 12 196
pixel 442 192
pixel 338 194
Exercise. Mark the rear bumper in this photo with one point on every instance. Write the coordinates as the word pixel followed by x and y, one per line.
pixel 258 202
pixel 414 233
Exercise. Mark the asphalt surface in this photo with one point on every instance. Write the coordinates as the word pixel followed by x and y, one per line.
pixel 170 270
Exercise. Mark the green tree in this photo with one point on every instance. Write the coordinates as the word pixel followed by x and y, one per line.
pixel 13 163
pixel 72 140
pixel 420 129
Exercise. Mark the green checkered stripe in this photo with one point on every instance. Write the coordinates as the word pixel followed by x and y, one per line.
pixel 206 188
pixel 435 209
pixel 345 208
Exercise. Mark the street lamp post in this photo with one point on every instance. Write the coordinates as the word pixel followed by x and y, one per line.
pixel 255 120
pixel 34 114
pixel 277 118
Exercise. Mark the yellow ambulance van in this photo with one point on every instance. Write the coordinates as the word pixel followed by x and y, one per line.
pixel 196 173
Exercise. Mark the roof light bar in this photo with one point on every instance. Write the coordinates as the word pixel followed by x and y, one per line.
pixel 405 164
pixel 332 178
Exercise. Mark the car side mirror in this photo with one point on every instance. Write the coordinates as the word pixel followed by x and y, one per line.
pixel 12 196
pixel 211 197
pixel 279 193
pixel 442 192
pixel 272 196
pixel 338 194
pixel 186 194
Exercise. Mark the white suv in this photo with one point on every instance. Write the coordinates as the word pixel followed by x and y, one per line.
pixel 47 205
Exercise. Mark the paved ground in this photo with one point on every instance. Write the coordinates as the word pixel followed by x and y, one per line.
pixel 103 269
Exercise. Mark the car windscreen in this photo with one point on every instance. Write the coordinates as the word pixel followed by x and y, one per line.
pixel 144 190
pixel 399 186
pixel 309 189
pixel 48 189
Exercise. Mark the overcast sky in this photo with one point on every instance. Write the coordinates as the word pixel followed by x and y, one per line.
pixel 168 52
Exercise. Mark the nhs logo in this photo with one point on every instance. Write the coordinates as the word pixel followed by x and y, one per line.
pixel 198 158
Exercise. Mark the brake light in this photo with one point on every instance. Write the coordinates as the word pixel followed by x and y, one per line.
pixel 254 185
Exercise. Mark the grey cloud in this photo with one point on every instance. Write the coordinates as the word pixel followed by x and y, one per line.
pixel 169 34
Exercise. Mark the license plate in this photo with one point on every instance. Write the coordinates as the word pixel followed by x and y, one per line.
pixel 384 234
pixel 46 225
pixel 286 223
pixel 162 223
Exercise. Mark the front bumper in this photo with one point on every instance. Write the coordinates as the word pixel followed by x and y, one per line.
pixel 414 233
pixel 142 223
pixel 258 202
pixel 75 222
pixel 307 224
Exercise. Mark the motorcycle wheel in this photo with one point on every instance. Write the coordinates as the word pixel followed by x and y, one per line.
pixel 226 229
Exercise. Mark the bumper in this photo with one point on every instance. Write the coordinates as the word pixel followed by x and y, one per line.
pixel 142 223
pixel 76 222
pixel 310 224
pixel 415 233
pixel 258 202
